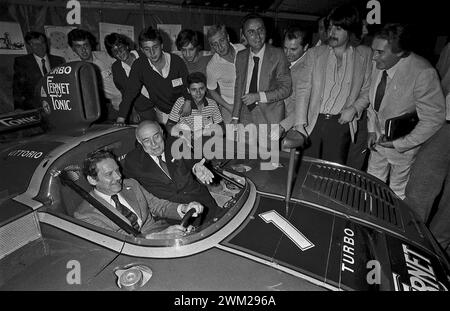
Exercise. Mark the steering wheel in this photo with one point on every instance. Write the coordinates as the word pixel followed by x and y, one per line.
pixel 185 221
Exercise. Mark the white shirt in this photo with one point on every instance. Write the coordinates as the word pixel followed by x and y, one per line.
pixel 127 69
pixel 165 70
pixel 163 157
pixel 338 82
pixel 390 75
pixel 260 54
pixel 39 61
pixel 222 73
pixel 108 199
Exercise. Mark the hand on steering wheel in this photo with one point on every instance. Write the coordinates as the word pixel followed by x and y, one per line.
pixel 193 209
pixel 185 221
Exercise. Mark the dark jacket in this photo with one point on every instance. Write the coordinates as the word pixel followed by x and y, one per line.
pixel 182 187
pixel 27 75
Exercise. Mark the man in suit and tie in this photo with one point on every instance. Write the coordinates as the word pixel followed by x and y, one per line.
pixel 29 69
pixel 263 79
pixel 402 82
pixel 159 172
pixel 128 200
pixel 333 88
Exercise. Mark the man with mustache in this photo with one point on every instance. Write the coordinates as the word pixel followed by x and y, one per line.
pixel 333 89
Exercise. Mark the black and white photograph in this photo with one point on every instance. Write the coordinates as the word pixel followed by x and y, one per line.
pixel 225 154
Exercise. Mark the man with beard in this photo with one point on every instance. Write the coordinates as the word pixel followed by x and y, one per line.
pixel 334 88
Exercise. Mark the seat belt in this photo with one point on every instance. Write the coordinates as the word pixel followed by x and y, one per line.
pixel 69 178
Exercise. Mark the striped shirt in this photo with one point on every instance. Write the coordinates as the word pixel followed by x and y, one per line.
pixel 199 118
pixel 338 82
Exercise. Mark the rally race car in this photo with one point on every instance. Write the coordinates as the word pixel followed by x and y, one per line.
pixel 327 227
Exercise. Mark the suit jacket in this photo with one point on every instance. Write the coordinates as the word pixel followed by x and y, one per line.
pixel 182 187
pixel 415 86
pixel 120 78
pixel 27 75
pixel 312 84
pixel 274 80
pixel 291 102
pixel 143 203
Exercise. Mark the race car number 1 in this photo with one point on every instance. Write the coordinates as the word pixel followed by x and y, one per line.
pixel 288 229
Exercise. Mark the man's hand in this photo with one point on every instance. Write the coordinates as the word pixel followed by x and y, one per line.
pixel 386 143
pixel 186 109
pixel 120 122
pixel 202 173
pixel 192 205
pixel 347 115
pixel 250 98
pixel 371 140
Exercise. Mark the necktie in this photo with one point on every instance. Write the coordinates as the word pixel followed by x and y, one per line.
pixel 126 212
pixel 380 91
pixel 254 81
pixel 44 69
pixel 163 165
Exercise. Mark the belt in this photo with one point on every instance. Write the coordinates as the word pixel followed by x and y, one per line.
pixel 328 116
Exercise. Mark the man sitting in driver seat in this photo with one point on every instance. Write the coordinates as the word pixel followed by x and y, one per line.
pixel 129 200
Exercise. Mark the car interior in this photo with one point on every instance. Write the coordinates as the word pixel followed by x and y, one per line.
pixel 61 199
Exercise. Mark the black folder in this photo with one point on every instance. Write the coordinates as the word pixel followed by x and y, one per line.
pixel 400 126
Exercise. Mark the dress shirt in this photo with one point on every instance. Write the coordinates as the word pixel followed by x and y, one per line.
pixel 163 157
pixel 390 75
pixel 108 199
pixel 39 62
pixel 260 54
pixel 337 82
pixel 165 70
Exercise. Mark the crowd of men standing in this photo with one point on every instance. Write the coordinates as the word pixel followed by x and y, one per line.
pixel 338 94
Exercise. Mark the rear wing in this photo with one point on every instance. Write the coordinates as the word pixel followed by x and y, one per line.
pixel 14 121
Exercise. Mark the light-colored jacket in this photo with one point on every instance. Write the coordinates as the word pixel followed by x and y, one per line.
pixel 146 206
pixel 312 84
pixel 415 86
pixel 291 102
